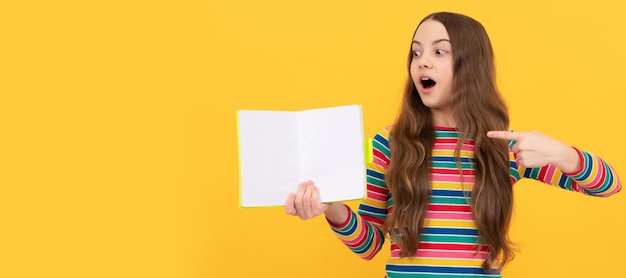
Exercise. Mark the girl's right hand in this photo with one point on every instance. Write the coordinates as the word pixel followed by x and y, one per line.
pixel 306 202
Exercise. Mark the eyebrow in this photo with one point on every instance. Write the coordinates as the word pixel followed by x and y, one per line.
pixel 434 42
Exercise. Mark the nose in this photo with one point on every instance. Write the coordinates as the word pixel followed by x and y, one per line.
pixel 424 62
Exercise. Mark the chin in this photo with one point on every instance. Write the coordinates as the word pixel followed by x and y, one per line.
pixel 430 104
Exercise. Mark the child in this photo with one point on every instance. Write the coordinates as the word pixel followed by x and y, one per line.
pixel 441 181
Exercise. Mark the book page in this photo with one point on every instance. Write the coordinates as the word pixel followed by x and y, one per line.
pixel 268 157
pixel 331 151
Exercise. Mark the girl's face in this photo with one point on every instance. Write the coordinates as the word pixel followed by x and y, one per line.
pixel 432 67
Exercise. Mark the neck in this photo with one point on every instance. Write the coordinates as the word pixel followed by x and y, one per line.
pixel 442 118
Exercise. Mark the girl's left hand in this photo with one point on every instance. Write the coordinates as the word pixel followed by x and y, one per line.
pixel 535 150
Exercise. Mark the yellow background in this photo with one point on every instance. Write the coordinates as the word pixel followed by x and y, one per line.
pixel 118 152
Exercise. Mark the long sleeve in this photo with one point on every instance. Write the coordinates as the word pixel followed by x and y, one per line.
pixel 595 177
pixel 362 232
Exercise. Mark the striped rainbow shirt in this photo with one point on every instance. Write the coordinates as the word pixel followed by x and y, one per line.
pixel 448 245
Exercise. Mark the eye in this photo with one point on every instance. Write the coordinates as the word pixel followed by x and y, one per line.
pixel 417 53
pixel 440 52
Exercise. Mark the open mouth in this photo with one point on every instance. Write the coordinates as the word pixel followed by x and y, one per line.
pixel 427 83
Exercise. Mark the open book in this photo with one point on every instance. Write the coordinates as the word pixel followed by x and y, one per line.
pixel 280 149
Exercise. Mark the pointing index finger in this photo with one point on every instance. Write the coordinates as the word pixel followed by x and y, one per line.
pixel 506 135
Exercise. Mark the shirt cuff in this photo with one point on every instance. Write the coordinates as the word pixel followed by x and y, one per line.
pixel 582 164
pixel 345 223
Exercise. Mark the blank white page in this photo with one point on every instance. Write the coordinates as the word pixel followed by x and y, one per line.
pixel 332 151
pixel 268 157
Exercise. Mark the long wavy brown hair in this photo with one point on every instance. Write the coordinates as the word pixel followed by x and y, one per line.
pixel 478 108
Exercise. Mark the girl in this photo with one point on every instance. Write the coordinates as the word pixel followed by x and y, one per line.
pixel 441 181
